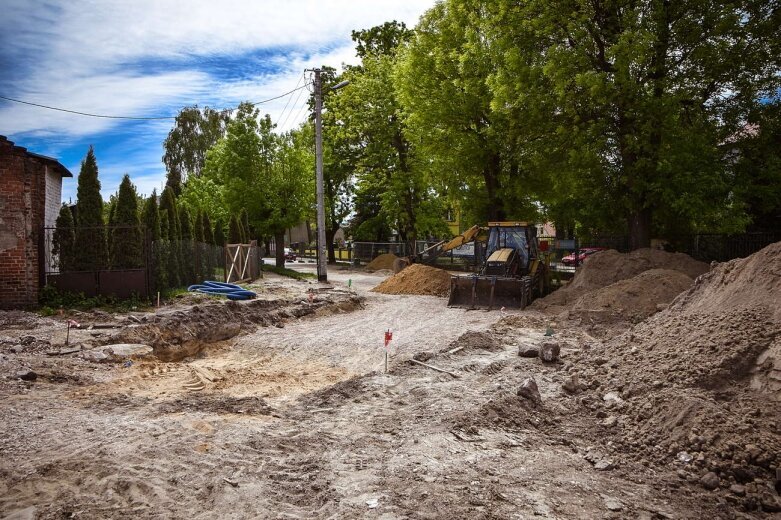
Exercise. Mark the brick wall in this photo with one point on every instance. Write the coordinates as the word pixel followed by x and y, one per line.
pixel 22 210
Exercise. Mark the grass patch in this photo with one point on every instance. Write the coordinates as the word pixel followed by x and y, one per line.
pixel 284 271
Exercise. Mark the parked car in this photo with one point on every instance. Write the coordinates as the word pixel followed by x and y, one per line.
pixel 290 255
pixel 584 253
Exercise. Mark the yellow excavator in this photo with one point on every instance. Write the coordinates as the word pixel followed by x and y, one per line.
pixel 512 275
pixel 430 254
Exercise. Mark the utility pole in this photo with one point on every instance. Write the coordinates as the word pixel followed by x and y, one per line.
pixel 322 262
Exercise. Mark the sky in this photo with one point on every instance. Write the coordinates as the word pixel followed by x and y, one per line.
pixel 150 58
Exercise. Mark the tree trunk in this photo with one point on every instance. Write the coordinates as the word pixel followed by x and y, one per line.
pixel 279 242
pixel 491 171
pixel 640 229
pixel 329 239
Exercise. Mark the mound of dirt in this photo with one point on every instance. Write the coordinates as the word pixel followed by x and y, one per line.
pixel 632 299
pixel 688 382
pixel 474 340
pixel 608 267
pixel 384 261
pixel 417 279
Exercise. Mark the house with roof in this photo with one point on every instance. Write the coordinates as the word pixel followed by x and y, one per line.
pixel 30 198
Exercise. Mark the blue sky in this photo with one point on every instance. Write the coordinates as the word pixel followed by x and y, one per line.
pixel 147 58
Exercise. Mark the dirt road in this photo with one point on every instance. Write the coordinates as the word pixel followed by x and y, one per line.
pixel 299 421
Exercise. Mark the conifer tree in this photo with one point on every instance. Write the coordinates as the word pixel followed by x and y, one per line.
pixel 151 220
pixel 64 239
pixel 126 240
pixel 208 233
pixel 90 246
pixel 186 246
pixel 235 234
pixel 219 233
pixel 168 206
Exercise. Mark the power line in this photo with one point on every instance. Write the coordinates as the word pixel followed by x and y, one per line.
pixel 291 97
pixel 295 104
pixel 104 116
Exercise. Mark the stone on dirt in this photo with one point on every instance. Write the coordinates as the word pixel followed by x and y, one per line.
pixel 529 390
pixel 549 351
pixel 613 505
pixel 26 375
pixel 123 350
pixel 737 489
pixel 528 351
pixel 710 480
pixel 572 384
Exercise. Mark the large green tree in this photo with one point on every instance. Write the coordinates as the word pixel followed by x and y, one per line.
pixel 372 140
pixel 442 80
pixel 631 100
pixel 756 153
pixel 126 242
pixel 195 131
pixel 265 174
pixel 90 249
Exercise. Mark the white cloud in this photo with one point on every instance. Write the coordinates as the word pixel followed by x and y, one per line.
pixel 145 58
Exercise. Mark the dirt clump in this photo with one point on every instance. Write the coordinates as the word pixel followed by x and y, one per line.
pixel 608 267
pixel 474 340
pixel 382 262
pixel 632 299
pixel 417 279
pixel 683 383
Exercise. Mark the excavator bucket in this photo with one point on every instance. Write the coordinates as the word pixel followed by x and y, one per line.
pixel 488 292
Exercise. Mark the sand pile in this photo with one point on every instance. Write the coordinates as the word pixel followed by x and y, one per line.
pixel 683 384
pixel 632 299
pixel 384 261
pixel 417 279
pixel 608 267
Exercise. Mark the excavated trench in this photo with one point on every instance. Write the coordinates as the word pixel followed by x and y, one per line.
pixel 185 333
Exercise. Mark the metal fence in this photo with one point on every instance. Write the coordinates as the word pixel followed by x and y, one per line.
pixel 97 261
pixel 123 262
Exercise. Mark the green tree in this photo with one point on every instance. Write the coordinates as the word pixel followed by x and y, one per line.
pixel 340 160
pixel 235 234
pixel 90 246
pixel 630 101
pixel 126 242
pixel 168 207
pixel 186 245
pixel 151 220
pixel 372 122
pixel 757 166
pixel 219 233
pixel 442 81
pixel 246 232
pixel 262 173
pixel 195 132
pixel 64 239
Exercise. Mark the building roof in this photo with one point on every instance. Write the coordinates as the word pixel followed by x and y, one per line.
pixel 57 165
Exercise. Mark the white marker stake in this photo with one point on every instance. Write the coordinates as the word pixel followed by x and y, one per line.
pixel 388 338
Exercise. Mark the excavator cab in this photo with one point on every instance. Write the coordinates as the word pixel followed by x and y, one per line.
pixel 512 274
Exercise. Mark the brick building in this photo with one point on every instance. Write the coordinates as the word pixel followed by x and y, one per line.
pixel 30 198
